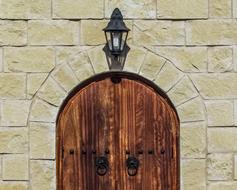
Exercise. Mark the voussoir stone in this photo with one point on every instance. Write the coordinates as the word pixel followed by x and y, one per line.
pixel 181 9
pixel 29 59
pixel 78 8
pixel 220 8
pixel 11 185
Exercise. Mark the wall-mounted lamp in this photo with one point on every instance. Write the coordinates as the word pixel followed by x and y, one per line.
pixel 116 34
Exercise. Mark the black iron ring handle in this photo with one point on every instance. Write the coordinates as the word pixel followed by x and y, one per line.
pixel 132 166
pixel 102 165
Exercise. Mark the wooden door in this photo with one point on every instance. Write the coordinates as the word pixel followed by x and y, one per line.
pixel 118 118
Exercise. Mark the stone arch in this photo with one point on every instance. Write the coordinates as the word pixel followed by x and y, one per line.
pixel 90 61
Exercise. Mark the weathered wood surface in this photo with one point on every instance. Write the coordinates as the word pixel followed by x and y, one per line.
pixel 128 116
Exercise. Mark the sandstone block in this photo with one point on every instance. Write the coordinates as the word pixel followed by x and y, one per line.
pixel 15 167
pixel 13 140
pixel 132 9
pixel 42 140
pixel 220 8
pixel 29 59
pixel 13 33
pixel 78 9
pixel 12 85
pixel 147 32
pixel 193 140
pixel 231 185
pixel 220 59
pixel 10 185
pixel 14 112
pixel 56 32
pixel 183 9
pixel 222 139
pixel 220 112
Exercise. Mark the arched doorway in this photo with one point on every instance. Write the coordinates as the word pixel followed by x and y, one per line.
pixel 118 131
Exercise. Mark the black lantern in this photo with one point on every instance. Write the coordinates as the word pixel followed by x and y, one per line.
pixel 116 33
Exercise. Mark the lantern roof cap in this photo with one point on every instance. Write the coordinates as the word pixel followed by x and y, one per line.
pixel 116 22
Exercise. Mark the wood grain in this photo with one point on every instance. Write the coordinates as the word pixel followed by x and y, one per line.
pixel 129 116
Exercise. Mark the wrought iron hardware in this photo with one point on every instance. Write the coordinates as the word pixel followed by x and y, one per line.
pixel 102 165
pixel 132 166
pixel 71 151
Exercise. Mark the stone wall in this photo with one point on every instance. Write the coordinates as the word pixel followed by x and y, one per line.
pixel 187 47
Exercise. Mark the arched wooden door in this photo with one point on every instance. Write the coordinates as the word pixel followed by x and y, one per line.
pixel 117 116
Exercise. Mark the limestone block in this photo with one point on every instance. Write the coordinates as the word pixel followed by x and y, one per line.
pixel 147 32
pixel 194 174
pixel 235 167
pixel 182 9
pixel 222 139
pixel 65 77
pixel 15 112
pixel 211 32
pixel 25 9
pixel 78 9
pixel 219 166
pixel 220 8
pixel 34 82
pixel 235 8
pixel 216 86
pixel 220 59
pixel 56 32
pixel 235 112
pixel 152 65
pixel 15 167
pixel 231 185
pixel 166 81
pixel 192 110
pixel 98 59
pixel 51 92
pixel 12 85
pixel 187 59
pixel 13 33
pixel 132 8
pixel 220 112
pixel 13 140
pixel 81 66
pixel 11 185
pixel 42 175
pixel 182 92
pixel 235 58
pixel 1 59
pixel 193 140
pixel 29 59
pixel 42 140
pixel 42 111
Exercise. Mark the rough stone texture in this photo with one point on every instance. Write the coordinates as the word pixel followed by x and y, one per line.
pixel 78 8
pixel 220 112
pixel 13 33
pixel 220 166
pixel 42 111
pixel 12 86
pixel 53 32
pixel 65 77
pixel 132 8
pixel 182 92
pixel 15 167
pixel 147 32
pixel 182 9
pixel 222 139
pixel 42 175
pixel 14 112
pixel 13 140
pixel 220 59
pixel 217 32
pixel 34 81
pixel 166 81
pixel 220 8
pixel 13 185
pixel 25 9
pixel 51 92
pixel 216 86
pixel 193 140
pixel 194 174
pixel 235 167
pixel 29 59
pixel 192 110
pixel 231 185
pixel 42 140
pixel 187 59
